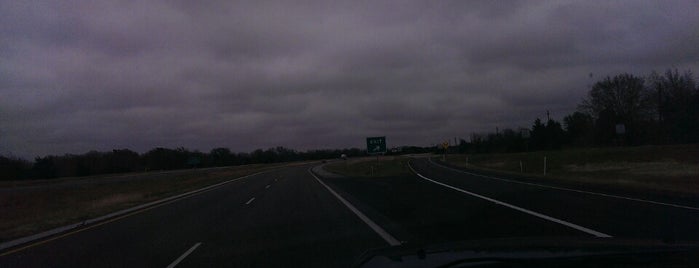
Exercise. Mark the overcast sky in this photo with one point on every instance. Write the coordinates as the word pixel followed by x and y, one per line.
pixel 100 75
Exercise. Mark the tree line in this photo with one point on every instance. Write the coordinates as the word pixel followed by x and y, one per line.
pixel 623 110
pixel 125 160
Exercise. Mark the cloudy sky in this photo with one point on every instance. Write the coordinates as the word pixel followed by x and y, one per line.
pixel 98 75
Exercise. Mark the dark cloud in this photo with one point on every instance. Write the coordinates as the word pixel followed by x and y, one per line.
pixel 82 75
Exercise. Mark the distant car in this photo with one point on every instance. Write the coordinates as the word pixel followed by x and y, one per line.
pixel 343 156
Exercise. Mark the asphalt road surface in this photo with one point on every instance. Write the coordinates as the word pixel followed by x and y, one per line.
pixel 291 218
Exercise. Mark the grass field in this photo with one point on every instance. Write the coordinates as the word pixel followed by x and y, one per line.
pixel 385 166
pixel 664 168
pixel 49 204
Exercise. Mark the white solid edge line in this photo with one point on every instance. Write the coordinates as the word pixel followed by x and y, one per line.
pixel 568 189
pixel 380 231
pixel 533 213
pixel 250 201
pixel 186 253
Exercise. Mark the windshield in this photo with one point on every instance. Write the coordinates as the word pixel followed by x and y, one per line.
pixel 340 133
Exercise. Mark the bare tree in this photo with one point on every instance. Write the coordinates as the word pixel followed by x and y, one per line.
pixel 623 95
pixel 621 99
pixel 672 102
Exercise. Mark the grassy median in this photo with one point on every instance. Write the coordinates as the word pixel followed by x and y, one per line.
pixel 43 206
pixel 384 166
pixel 663 168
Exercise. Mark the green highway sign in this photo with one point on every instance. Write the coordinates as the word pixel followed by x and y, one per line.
pixel 376 145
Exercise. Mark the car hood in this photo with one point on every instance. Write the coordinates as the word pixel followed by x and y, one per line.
pixel 536 251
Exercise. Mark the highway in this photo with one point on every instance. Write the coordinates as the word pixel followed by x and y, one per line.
pixel 272 219
pixel 290 217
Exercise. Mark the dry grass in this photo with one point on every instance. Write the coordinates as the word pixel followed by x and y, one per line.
pixel 115 199
pixel 651 168
pixel 667 168
pixel 30 210
pixel 370 167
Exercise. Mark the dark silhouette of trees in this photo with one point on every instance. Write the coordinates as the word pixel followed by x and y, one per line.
pixel 90 163
pixel 124 160
pixel 511 141
pixel 546 137
pixel 579 128
pixel 13 168
pixel 44 167
pixel 538 136
pixel 665 109
pixel 263 156
pixel 674 100
pixel 621 95
pixel 220 157
pixel 618 100
pixel 166 159
pixel 505 141
pixel 555 134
